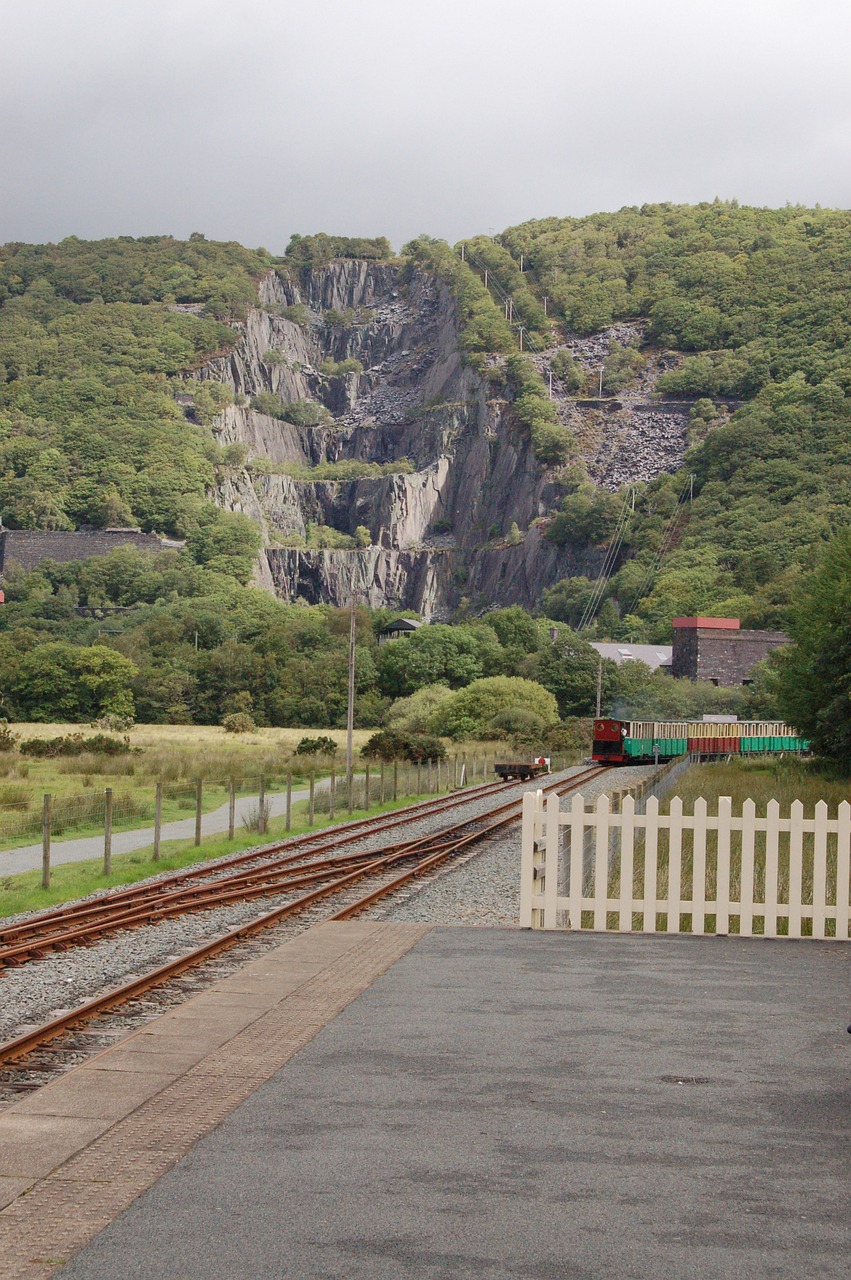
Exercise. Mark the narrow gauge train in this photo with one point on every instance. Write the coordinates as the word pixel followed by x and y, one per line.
pixel 639 741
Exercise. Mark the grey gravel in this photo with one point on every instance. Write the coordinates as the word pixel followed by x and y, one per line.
pixel 484 887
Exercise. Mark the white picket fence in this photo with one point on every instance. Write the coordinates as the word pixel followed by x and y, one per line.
pixel 597 870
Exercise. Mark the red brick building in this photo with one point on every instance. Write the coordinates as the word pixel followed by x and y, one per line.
pixel 717 650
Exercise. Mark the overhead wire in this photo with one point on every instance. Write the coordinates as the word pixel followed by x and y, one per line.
pixel 664 543
pixel 609 560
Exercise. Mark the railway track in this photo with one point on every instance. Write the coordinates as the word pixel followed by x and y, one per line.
pixel 355 881
pixel 240 877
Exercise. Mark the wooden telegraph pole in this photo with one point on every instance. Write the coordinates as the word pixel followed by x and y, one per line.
pixel 350 716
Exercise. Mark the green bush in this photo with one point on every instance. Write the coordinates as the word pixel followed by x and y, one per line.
pixel 321 746
pixel 568 371
pixel 297 313
pixel 395 744
pixel 238 722
pixel 340 368
pixel 473 711
pixel 75 744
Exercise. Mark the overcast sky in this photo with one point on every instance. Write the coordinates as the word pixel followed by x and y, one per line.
pixel 250 120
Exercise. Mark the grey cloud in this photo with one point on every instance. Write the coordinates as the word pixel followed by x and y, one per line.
pixel 252 121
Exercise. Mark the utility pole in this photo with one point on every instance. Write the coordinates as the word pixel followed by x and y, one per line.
pixel 546 300
pixel 521 262
pixel 599 685
pixel 462 252
pixel 350 716
pixel 601 382
pixel 550 375
pixel 486 277
pixel 522 331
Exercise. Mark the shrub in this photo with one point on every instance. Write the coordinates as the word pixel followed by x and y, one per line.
pixel 238 722
pixel 517 723
pixel 414 713
pixel 306 413
pixel 569 373
pixel 390 744
pixel 552 443
pixel 297 314
pixel 316 746
pixel 8 740
pixel 75 744
pixel 339 368
pixel 117 724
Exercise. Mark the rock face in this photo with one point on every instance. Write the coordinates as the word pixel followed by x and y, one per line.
pixel 454 471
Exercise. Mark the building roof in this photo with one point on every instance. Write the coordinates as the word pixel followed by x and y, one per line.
pixel 718 624
pixel 401 624
pixel 652 655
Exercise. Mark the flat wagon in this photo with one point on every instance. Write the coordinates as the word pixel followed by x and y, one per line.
pixel 522 770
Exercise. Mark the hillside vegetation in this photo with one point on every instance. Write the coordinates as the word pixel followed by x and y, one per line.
pixel 102 423
pixel 758 304
pixel 92 340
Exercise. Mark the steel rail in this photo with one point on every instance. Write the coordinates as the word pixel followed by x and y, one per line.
pixel 349 833
pixel 23 1044
pixel 268 879
pixel 105 916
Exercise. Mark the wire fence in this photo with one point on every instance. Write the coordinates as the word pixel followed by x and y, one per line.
pixel 162 810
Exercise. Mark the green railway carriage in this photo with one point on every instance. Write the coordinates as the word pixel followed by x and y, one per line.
pixel 638 741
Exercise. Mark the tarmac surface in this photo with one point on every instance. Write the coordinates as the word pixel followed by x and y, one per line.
pixel 500 1103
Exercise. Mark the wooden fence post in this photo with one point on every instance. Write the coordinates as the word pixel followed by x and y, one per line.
pixel 261 807
pixel 419 777
pixel 382 793
pixel 310 806
pixel 158 820
pixel 395 780
pixel 46 817
pixel 367 788
pixel 289 798
pixel 199 798
pixel 107 832
pixel 332 787
pixel 455 770
pixel 351 795
pixel 231 810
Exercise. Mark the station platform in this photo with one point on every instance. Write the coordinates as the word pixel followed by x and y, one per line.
pixel 381 1101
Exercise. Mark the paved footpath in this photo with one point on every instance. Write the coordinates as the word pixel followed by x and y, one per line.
pixel 455 1103
pixel 28 857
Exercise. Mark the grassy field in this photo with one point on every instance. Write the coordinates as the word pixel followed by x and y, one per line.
pixel 76 879
pixel 761 780
pixel 176 755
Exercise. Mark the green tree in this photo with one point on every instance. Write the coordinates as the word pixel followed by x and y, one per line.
pixel 475 711
pixel 814 674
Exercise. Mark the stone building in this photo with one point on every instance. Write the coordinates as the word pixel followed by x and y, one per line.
pixel 717 650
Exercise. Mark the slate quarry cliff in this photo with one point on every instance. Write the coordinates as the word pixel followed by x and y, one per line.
pixel 438 525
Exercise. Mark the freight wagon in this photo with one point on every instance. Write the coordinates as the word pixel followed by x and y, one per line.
pixel 640 741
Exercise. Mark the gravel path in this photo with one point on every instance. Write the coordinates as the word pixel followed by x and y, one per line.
pixel 483 889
